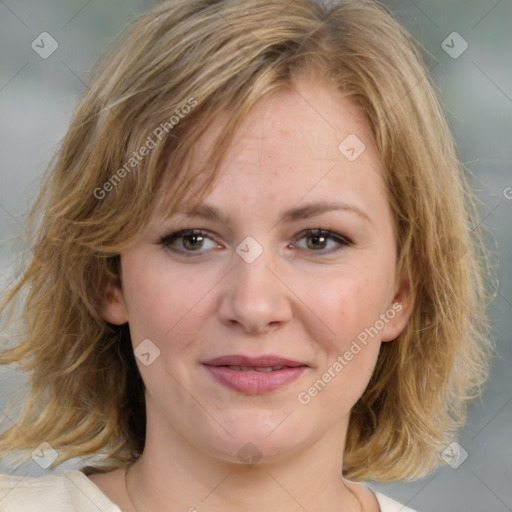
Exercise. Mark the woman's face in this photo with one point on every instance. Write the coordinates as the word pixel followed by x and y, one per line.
pixel 257 285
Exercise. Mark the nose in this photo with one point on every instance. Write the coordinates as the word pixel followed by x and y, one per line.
pixel 255 296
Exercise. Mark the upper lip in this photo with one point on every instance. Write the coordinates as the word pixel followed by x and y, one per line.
pixel 263 361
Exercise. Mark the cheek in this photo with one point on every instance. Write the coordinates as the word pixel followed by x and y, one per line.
pixel 344 303
pixel 157 299
pixel 351 305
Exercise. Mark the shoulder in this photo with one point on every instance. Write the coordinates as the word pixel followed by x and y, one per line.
pixel 372 500
pixel 23 493
pixel 389 505
pixel 70 492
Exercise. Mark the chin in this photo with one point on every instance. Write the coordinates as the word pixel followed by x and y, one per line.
pixel 256 444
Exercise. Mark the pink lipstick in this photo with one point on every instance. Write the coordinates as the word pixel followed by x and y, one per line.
pixel 255 375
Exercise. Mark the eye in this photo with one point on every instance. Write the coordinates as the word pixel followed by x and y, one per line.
pixel 190 240
pixel 319 239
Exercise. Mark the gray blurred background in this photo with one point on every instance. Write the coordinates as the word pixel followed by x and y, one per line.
pixel 473 71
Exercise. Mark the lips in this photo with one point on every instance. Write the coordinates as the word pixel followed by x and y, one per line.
pixel 254 362
pixel 254 375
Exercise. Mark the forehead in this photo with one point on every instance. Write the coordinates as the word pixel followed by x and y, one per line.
pixel 303 143
pixel 315 113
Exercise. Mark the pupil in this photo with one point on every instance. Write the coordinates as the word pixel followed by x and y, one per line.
pixel 317 237
pixel 195 237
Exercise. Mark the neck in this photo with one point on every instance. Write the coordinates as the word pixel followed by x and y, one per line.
pixel 183 478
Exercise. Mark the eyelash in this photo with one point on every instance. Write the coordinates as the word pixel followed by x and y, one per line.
pixel 343 241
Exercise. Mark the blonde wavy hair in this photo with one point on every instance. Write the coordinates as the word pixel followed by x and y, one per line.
pixel 86 396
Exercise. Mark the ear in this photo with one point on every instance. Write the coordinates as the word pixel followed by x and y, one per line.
pixel 114 308
pixel 400 311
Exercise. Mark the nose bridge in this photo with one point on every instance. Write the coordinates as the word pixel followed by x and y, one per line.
pixel 253 263
pixel 254 296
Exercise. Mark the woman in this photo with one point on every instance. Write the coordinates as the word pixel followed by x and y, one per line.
pixel 252 276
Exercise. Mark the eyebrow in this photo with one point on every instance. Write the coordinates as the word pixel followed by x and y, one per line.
pixel 306 211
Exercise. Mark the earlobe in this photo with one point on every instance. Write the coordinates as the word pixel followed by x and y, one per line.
pixel 114 309
pixel 399 312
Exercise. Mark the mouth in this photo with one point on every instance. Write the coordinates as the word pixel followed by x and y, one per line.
pixel 256 368
pixel 254 375
pixel 260 363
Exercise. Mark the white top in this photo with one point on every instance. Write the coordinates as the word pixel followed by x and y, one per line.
pixel 74 492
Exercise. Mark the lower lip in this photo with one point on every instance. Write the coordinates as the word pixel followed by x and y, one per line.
pixel 253 382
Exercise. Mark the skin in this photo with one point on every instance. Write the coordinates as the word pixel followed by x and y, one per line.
pixel 297 299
